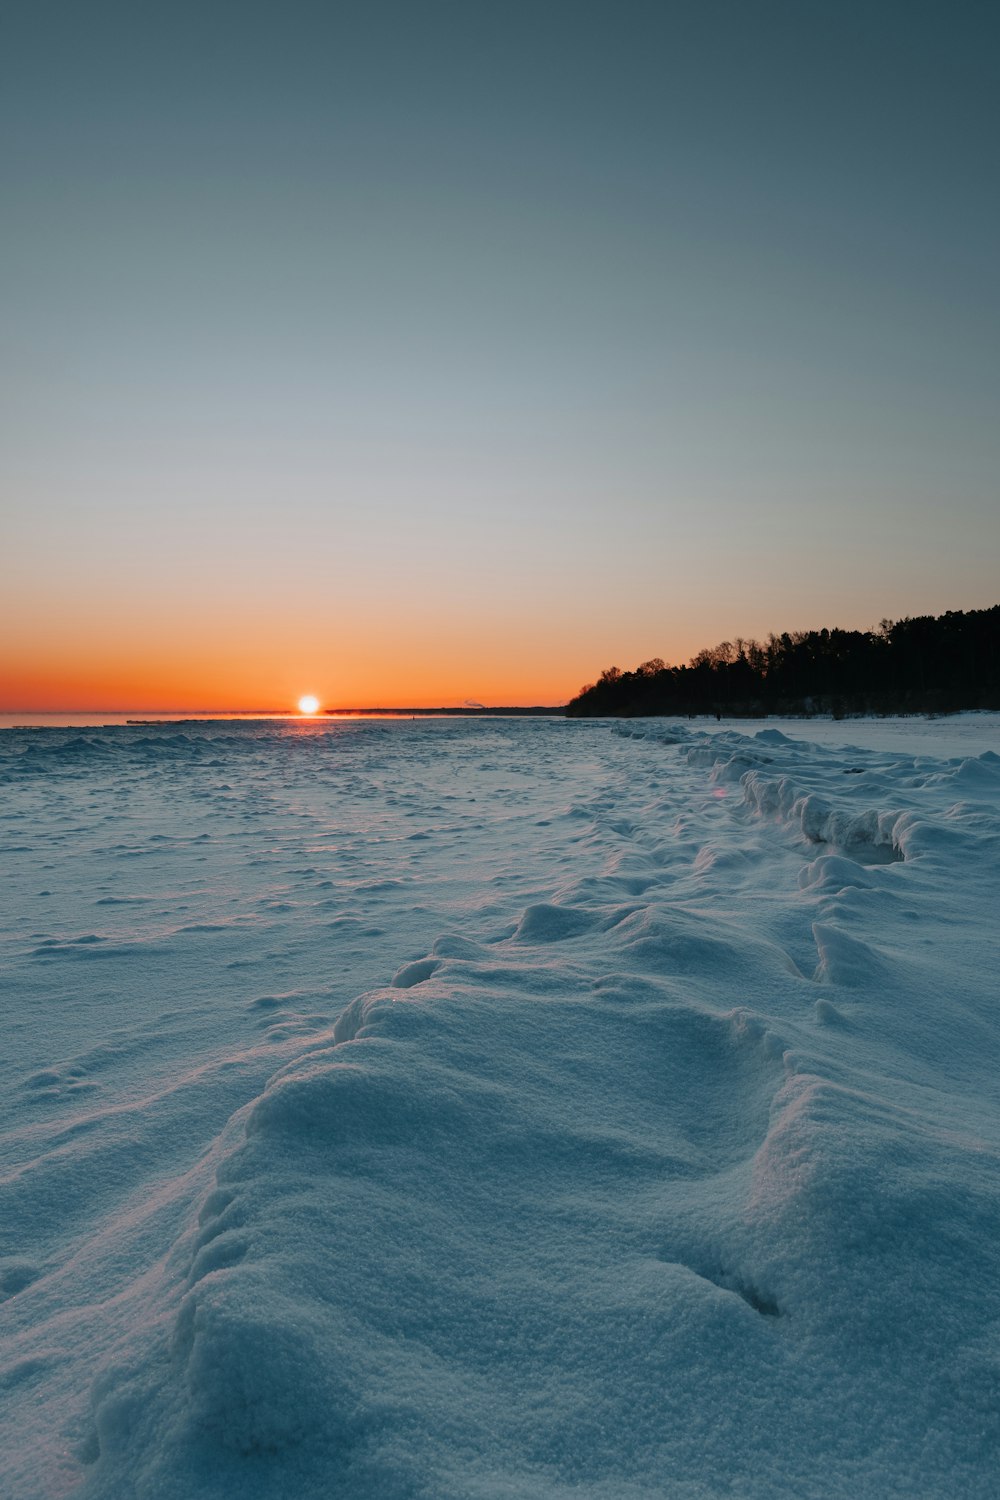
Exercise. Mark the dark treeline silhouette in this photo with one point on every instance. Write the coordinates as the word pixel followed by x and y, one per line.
pixel 923 665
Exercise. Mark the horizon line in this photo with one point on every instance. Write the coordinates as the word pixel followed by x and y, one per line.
pixel 292 713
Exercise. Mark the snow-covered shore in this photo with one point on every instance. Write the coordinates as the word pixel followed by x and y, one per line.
pixel 499 1109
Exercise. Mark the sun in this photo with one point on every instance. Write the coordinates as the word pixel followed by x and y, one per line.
pixel 308 704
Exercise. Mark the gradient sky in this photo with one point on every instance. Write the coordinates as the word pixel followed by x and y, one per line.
pixel 414 353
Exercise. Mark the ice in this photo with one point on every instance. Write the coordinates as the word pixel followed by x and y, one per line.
pixel 501 1109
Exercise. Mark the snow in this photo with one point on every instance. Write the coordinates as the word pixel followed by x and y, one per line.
pixel 510 1108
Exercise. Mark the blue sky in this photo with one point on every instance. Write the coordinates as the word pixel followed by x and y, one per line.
pixel 375 340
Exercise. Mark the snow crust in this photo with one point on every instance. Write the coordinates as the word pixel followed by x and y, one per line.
pixel 500 1109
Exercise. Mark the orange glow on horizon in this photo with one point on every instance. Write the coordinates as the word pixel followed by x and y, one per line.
pixel 133 681
pixel 209 666
pixel 214 659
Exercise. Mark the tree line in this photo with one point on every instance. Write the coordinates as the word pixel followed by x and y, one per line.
pixel 926 664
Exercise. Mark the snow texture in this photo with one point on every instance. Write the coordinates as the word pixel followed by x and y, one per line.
pixel 489 1109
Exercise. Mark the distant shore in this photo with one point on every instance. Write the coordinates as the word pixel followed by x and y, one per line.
pixel 477 712
pixel 108 720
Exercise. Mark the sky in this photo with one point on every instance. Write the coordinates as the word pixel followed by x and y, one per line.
pixel 416 353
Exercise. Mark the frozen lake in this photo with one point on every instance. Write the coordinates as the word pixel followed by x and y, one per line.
pixel 500 1108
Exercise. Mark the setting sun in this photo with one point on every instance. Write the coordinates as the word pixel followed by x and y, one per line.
pixel 308 704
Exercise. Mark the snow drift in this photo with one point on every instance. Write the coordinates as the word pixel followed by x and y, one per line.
pixel 666 1164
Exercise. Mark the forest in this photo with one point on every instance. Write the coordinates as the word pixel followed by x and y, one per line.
pixel 926 664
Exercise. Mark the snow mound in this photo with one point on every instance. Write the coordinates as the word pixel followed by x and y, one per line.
pixel 870 835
